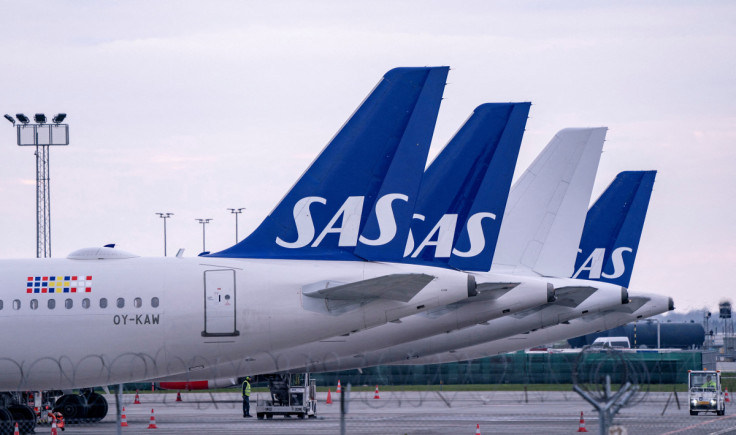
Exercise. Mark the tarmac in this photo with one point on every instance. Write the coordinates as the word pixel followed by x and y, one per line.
pixel 404 412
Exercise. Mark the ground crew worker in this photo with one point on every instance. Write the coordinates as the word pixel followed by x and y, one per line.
pixel 246 397
pixel 709 383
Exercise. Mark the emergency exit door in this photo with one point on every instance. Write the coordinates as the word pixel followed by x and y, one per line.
pixel 219 303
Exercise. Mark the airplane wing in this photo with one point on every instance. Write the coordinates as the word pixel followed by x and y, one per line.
pixel 572 296
pixel 396 287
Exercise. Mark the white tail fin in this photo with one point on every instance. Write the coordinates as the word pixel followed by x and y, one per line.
pixel 546 208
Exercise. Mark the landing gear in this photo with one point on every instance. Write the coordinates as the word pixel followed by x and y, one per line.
pixel 12 411
pixel 24 416
pixel 87 407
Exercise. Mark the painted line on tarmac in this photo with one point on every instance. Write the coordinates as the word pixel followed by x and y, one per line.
pixel 700 424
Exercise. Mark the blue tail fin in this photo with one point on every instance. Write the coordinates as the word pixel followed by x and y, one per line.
pixel 613 228
pixel 464 191
pixel 323 215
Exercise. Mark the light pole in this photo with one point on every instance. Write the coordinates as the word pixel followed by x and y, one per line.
pixel 165 216
pixel 203 221
pixel 236 212
pixel 41 135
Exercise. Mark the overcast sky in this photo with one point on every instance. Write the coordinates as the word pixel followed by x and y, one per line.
pixel 194 107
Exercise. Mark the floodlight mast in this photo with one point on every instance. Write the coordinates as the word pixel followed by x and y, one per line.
pixel 42 136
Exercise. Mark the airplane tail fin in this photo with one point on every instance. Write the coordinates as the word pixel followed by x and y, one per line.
pixel 613 229
pixel 463 194
pixel 321 217
pixel 546 207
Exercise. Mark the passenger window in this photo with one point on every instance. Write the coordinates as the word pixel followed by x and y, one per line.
pixel 16 304
pixel 68 304
pixel 154 302
pixel 52 304
pixel 103 302
pixel 34 304
pixel 85 303
pixel 1 304
pixel 137 302
pixel 121 302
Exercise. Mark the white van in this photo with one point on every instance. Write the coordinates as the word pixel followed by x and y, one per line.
pixel 612 342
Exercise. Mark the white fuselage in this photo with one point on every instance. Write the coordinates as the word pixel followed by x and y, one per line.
pixel 605 297
pixel 657 304
pixel 342 350
pixel 129 319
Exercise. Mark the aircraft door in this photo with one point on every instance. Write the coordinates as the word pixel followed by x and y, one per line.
pixel 219 304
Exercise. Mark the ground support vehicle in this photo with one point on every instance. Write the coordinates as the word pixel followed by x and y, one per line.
pixel 289 395
pixel 704 392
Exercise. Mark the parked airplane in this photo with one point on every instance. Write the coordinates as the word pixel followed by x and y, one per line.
pixel 133 318
pixel 570 155
pixel 613 225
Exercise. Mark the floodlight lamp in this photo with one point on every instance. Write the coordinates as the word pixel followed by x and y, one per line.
pixel 40 118
pixel 22 118
pixel 59 118
pixel 10 118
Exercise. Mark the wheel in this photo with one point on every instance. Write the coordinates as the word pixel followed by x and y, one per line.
pixel 693 412
pixel 301 416
pixel 71 407
pixel 6 422
pixel 24 416
pixel 269 416
pixel 259 415
pixel 96 407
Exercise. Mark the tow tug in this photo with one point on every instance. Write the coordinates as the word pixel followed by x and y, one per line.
pixel 704 392
pixel 290 395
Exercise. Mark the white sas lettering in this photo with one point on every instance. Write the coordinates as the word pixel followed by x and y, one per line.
pixel 386 220
pixel 445 231
pixel 617 257
pixel 349 214
pixel 475 235
pixel 304 223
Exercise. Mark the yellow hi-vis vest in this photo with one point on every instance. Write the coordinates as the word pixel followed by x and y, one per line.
pixel 246 388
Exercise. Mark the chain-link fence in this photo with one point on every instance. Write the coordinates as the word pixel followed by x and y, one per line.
pixel 523 392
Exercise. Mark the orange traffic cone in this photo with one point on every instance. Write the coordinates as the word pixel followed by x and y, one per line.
pixel 582 423
pixel 123 419
pixel 329 398
pixel 339 388
pixel 137 399
pixel 727 399
pixel 477 429
pixel 178 396
pixel 53 428
pixel 152 424
pixel 375 396
pixel 16 431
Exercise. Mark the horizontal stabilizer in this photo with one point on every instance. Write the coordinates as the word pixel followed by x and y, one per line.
pixel 398 287
pixel 493 290
pixel 634 304
pixel 573 296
